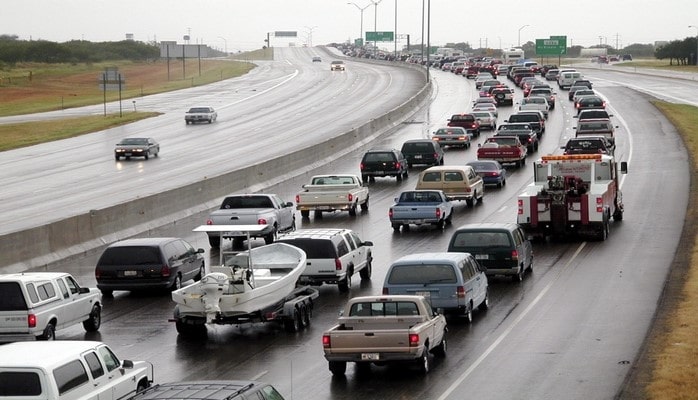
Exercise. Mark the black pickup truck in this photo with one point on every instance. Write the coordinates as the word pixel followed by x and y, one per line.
pixel 534 118
pixel 527 136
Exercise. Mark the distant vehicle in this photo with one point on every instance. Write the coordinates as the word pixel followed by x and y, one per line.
pixel 590 102
pixel 491 171
pixel 337 65
pixel 486 119
pixel 200 114
pixel 317 59
pixel 459 182
pixel 552 74
pixel 383 162
pixel 420 207
pixel 453 136
pixel 589 145
pixel 136 147
pixel 503 95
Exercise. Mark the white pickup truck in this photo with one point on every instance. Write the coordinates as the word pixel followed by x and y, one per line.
pixel 332 193
pixel 384 329
pixel 35 304
pixel 252 209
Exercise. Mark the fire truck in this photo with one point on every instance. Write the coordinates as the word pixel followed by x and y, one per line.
pixel 572 195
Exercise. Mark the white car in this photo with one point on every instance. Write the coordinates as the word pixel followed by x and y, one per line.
pixel 486 119
pixel 337 65
pixel 486 107
pixel 535 104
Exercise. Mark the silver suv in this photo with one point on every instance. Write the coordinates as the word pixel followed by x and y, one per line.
pixel 333 255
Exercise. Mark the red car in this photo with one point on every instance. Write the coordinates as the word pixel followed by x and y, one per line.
pixel 466 121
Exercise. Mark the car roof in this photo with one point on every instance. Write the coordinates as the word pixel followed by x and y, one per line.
pixel 46 355
pixel 452 257
pixel 199 390
pixel 31 276
pixel 478 226
pixel 150 241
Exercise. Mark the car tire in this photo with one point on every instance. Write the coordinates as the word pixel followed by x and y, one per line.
pixel 305 214
pixel 305 316
pixel 117 158
pixel 396 227
pixel 471 201
pixel 345 284
pixel 352 210
pixel 270 237
pixel 365 273
pixel 468 314
pixel 49 333
pixel 177 284
pixel 486 302
pixel 364 178
pixel 424 362
pixel 214 242
pixel 94 321
pixel 293 324
pixel 519 275
pixel 398 177
pixel 338 367
pixel 107 292
pixel 200 274
pixel 440 350
pixel 364 205
pixel 146 156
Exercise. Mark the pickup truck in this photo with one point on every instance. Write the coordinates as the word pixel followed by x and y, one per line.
pixel 419 207
pixel 35 304
pixel 505 149
pixel 332 193
pixel 200 114
pixel 385 329
pixel 252 209
pixel 525 132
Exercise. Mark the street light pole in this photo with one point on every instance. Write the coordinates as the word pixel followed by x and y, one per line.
pixel 226 44
pixel 310 34
pixel 361 32
pixel 520 33
pixel 375 25
pixel 693 26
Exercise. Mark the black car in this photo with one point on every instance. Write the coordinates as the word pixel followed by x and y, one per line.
pixel 210 390
pixel 383 162
pixel 502 248
pixel 136 147
pixel 590 103
pixel 148 263
pixel 535 118
pixel 582 82
pixel 422 151
pixel 589 145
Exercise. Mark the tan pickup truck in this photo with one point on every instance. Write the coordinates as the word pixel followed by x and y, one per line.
pixel 327 193
pixel 385 329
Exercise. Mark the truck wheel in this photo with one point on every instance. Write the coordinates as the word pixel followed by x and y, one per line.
pixel 618 215
pixel 364 205
pixel 177 284
pixel 470 202
pixel 305 316
pixel 269 238
pixel 352 210
pixel 424 362
pixel 396 227
pixel 441 225
pixel 305 213
pixel 293 324
pixel 345 284
pixel 318 214
pixel 364 178
pixel 142 385
pixel 214 242
pixel 366 272
pixel 190 330
pixel 440 350
pixel 449 219
pixel 92 323
pixel 49 332
pixel 338 367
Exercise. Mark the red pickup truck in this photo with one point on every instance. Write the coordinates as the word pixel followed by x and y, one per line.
pixel 505 149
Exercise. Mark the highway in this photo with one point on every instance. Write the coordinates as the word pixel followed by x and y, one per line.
pixel 571 329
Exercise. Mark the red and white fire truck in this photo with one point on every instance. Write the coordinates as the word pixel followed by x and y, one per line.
pixel 574 194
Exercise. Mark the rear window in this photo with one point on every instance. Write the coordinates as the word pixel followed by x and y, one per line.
pixel 463 118
pixel 314 248
pixel 417 147
pixel 130 255
pixel 19 384
pixel 11 298
pixel 379 157
pixel 247 202
pixel 388 308
pixel 422 274
pixel 464 241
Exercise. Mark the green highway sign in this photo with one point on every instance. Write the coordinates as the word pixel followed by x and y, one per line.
pixel 554 46
pixel 358 42
pixel 380 37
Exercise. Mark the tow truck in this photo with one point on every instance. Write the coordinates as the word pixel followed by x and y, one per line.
pixel 572 195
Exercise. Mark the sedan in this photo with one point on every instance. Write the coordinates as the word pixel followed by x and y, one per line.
pixel 491 171
pixel 486 107
pixel 487 119
pixel 317 59
pixel 453 136
pixel 590 103
pixel 136 147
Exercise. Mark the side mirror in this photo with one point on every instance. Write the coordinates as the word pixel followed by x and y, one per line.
pixel 127 364
pixel 83 290
pixel 288 204
pixel 368 243
pixel 201 251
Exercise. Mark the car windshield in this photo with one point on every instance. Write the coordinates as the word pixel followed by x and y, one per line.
pixel 134 141
pixel 199 110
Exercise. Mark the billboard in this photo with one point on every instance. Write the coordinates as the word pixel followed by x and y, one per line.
pixel 554 46
pixel 380 37
pixel 285 33
pixel 170 49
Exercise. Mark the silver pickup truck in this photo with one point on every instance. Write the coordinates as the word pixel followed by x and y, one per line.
pixel 327 193
pixel 419 207
pixel 35 304
pixel 385 329
pixel 252 209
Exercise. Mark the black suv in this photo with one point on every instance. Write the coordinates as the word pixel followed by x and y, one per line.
pixel 589 145
pixel 383 162
pixel 210 390
pixel 423 151
pixel 502 248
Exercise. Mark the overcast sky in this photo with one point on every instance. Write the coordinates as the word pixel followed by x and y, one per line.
pixel 243 25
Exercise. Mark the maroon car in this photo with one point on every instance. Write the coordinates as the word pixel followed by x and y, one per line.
pixel 466 121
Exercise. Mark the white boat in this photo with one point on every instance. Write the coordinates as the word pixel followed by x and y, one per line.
pixel 245 283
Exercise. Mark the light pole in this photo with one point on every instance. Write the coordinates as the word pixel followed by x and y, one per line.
pixel 375 25
pixel 361 32
pixel 225 43
pixel 520 33
pixel 693 26
pixel 310 34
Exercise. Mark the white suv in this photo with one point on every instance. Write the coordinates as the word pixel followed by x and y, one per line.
pixel 333 255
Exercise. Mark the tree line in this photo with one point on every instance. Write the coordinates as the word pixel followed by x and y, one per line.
pixel 14 51
pixel 682 51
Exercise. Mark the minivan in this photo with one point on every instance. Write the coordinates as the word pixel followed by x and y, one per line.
pixel 502 248
pixel 453 282
pixel 148 263
pixel 458 182
pixel 567 78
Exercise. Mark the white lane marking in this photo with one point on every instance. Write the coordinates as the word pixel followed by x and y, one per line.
pixel 511 327
pixel 285 79
pixel 259 375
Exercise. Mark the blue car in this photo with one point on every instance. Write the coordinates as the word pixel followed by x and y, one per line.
pixel 491 171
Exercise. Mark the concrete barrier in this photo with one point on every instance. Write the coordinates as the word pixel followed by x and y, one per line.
pixel 74 236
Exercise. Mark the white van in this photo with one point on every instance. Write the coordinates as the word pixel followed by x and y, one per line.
pixel 566 78
pixel 69 370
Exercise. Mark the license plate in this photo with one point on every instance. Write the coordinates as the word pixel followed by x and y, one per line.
pixel 380 172
pixel 482 256
pixel 130 273
pixel 418 156
pixel 425 294
pixel 127 154
pixel 370 356
pixel 323 207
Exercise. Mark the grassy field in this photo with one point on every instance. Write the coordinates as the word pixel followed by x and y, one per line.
pixel 673 350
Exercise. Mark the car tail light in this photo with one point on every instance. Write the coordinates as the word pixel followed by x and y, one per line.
pixel 414 339
pixel 521 207
pixel 438 212
pixel 209 222
pixel 98 273
pixel 599 204
pixel 514 255
pixel 337 264
pixel 165 270
pixel 436 156
pixel 397 165
pixel 31 321
pixel 326 341
pixel 386 291
pixel 467 190
pixel 298 198
pixel 350 197
pixel 261 221
pixel 361 166
pixel 460 292
pixel 390 213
